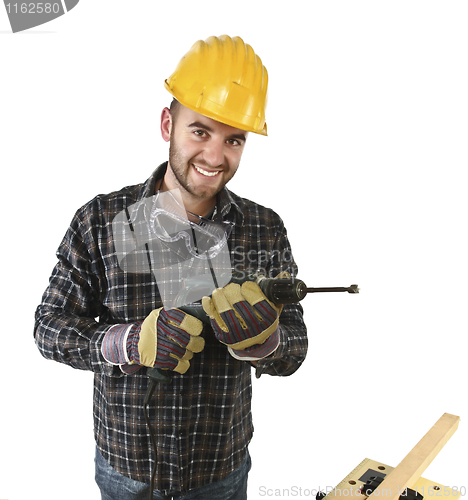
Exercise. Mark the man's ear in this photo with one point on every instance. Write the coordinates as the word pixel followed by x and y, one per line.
pixel 166 124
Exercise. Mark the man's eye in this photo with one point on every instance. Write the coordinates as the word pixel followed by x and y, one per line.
pixel 234 142
pixel 200 133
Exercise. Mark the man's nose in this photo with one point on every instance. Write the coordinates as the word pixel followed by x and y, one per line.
pixel 213 153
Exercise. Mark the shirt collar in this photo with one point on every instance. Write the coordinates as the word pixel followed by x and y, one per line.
pixel 149 187
pixel 227 205
pixel 225 202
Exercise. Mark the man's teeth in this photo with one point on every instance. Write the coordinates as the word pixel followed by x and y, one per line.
pixel 205 172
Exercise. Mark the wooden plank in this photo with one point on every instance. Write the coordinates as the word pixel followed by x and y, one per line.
pixel 435 491
pixel 350 487
pixel 418 459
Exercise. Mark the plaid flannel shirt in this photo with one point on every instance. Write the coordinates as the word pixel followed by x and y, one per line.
pixel 202 419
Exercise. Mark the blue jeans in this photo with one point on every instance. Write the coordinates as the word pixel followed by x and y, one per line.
pixel 114 486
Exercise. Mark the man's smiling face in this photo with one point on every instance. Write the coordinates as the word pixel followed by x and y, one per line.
pixel 203 155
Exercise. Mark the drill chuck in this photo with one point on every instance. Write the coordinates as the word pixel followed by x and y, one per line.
pixel 283 290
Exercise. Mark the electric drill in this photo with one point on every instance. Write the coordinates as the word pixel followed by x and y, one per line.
pixel 276 290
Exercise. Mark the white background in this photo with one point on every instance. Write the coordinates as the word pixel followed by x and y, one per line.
pixel 365 161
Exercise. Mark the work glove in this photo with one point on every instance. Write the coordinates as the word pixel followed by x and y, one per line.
pixel 166 339
pixel 244 319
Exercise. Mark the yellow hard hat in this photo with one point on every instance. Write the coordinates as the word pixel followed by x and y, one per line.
pixel 222 78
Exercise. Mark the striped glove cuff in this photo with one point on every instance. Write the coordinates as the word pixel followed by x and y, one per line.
pixel 258 351
pixel 119 341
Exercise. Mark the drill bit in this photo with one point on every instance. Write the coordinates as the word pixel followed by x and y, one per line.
pixel 349 289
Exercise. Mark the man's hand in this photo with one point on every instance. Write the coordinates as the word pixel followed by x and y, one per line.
pixel 241 317
pixel 165 339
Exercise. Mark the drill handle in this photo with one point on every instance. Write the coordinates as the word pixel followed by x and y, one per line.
pixel 276 290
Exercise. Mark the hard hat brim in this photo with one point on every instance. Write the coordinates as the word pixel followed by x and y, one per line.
pixel 203 109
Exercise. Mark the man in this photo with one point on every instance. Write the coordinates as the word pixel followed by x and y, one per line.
pixel 95 316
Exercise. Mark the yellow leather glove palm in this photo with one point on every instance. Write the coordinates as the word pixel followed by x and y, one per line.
pixel 166 339
pixel 241 316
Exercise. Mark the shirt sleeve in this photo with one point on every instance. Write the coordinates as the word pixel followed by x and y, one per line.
pixel 292 349
pixel 68 326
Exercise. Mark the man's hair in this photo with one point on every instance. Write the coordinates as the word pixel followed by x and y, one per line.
pixel 174 109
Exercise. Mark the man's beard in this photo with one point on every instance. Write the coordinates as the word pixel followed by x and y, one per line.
pixel 181 169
